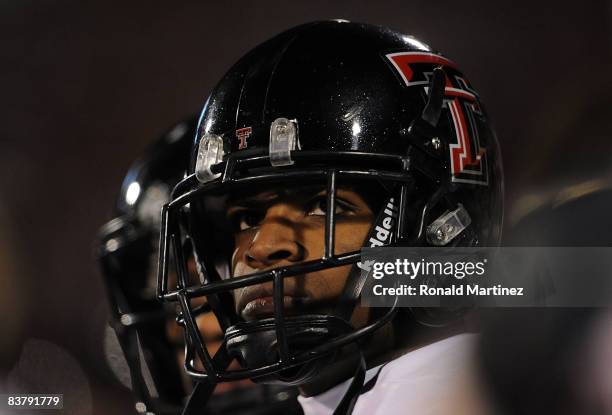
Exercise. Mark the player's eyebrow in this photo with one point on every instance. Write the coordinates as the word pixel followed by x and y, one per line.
pixel 254 199
pixel 266 198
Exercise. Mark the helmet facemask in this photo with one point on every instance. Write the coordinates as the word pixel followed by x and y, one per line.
pixel 279 344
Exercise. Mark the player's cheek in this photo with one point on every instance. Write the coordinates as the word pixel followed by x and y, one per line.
pixel 241 244
pixel 312 237
pixel 337 280
pixel 327 284
pixel 350 235
pixel 209 327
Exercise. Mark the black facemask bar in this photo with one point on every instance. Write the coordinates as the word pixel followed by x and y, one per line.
pixel 236 172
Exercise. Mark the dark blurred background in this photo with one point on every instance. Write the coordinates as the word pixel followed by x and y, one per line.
pixel 85 86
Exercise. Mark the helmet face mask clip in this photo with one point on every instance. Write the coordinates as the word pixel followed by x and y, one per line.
pixel 210 152
pixel 283 139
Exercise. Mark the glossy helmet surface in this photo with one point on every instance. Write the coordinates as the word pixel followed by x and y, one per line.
pixel 127 254
pixel 322 103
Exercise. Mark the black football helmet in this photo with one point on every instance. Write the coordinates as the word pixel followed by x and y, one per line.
pixel 127 254
pixel 326 103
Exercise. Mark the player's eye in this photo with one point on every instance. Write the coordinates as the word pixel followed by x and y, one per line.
pixel 244 219
pixel 318 206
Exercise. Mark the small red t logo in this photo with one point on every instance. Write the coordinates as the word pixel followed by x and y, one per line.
pixel 243 134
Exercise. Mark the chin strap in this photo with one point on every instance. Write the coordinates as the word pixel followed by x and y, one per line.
pixel 346 405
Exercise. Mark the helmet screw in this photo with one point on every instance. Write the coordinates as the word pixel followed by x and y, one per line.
pixel 435 142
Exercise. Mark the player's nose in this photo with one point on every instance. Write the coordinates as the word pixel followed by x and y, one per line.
pixel 276 239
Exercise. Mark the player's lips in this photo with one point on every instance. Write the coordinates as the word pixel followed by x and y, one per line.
pixel 258 302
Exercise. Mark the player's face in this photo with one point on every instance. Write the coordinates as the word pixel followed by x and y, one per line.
pixel 279 228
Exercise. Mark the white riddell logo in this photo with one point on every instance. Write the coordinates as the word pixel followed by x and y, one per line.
pixel 382 232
